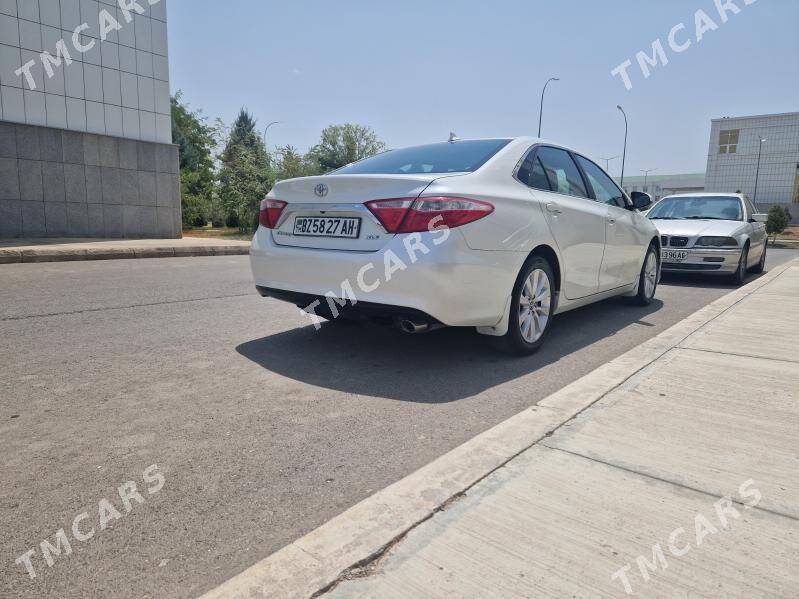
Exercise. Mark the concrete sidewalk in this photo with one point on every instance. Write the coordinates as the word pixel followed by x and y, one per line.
pixel 669 472
pixel 65 250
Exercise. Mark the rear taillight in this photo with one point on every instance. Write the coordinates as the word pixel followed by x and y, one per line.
pixel 270 212
pixel 390 213
pixel 406 215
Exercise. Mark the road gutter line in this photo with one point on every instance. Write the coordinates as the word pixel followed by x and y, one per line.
pixel 28 255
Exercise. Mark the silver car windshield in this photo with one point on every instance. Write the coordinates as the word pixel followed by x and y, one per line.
pixel 700 208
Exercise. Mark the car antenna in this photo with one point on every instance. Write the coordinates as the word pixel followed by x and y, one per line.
pixel 453 138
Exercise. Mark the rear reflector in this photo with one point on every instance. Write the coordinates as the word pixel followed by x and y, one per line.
pixel 270 212
pixel 406 215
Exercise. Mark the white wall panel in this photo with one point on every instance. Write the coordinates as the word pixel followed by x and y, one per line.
pixel 119 87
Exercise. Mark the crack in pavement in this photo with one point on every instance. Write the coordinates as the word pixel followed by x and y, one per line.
pixel 737 355
pixel 126 307
pixel 370 565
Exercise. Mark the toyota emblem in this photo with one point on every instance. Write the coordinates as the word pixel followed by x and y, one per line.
pixel 321 190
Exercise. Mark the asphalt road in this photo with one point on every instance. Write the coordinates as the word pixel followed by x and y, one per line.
pixel 262 427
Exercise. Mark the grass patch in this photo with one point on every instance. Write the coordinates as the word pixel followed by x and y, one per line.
pixel 217 233
pixel 791 233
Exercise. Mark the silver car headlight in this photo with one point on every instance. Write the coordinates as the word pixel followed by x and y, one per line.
pixel 717 242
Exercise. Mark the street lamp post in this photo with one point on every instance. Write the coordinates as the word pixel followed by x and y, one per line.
pixel 757 172
pixel 624 154
pixel 607 162
pixel 541 111
pixel 267 128
pixel 646 175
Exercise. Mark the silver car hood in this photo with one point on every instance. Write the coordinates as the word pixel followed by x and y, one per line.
pixel 697 228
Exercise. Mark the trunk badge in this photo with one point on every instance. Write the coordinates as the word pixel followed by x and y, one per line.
pixel 321 190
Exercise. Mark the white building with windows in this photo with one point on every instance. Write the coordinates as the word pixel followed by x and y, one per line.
pixel 85 125
pixel 767 171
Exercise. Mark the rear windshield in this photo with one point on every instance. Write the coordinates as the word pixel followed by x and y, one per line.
pixel 700 208
pixel 457 157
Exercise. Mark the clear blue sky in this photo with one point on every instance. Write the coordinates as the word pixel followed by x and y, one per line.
pixel 414 70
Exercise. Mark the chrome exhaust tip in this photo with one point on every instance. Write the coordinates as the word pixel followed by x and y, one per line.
pixel 413 327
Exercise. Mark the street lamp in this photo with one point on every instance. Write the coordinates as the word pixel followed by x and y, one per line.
pixel 757 172
pixel 646 175
pixel 624 154
pixel 607 162
pixel 267 128
pixel 541 111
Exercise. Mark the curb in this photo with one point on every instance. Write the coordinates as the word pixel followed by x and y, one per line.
pixel 317 562
pixel 16 256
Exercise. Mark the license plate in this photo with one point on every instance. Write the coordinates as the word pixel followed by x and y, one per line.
pixel 672 256
pixel 327 226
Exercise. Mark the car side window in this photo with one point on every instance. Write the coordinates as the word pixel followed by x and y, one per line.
pixel 605 190
pixel 560 172
pixel 531 172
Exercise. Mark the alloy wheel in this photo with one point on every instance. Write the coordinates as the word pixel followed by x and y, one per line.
pixel 534 306
pixel 650 274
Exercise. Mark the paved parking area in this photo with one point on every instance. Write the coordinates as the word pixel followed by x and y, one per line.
pixel 262 427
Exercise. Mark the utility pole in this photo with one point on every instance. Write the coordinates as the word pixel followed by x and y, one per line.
pixel 607 162
pixel 624 155
pixel 646 175
pixel 757 172
pixel 267 128
pixel 541 111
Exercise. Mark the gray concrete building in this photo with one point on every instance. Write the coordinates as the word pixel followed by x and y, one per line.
pixel 85 125
pixel 659 186
pixel 732 162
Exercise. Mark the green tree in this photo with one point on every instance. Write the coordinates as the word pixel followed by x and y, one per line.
pixel 289 163
pixel 195 140
pixel 342 144
pixel 245 175
pixel 778 219
pixel 243 134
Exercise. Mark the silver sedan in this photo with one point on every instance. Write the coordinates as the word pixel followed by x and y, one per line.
pixel 711 233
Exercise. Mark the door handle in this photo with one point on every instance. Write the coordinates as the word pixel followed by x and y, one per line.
pixel 554 208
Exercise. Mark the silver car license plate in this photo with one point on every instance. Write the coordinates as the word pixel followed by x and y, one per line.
pixel 672 256
pixel 327 226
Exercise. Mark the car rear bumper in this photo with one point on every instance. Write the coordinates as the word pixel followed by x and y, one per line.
pixel 706 261
pixel 451 283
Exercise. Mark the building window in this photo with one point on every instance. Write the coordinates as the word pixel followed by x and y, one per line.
pixel 728 141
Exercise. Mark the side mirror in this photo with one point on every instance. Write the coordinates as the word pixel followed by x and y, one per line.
pixel 759 218
pixel 641 200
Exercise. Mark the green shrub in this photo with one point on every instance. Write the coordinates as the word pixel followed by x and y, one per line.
pixel 778 219
pixel 232 220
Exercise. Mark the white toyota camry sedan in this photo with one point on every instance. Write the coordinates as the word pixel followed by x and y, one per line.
pixel 496 234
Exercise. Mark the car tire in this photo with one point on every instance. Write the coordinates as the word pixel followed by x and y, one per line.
pixel 739 278
pixel 648 279
pixel 532 307
pixel 761 266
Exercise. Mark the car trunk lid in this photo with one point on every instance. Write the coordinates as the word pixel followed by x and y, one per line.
pixel 340 201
